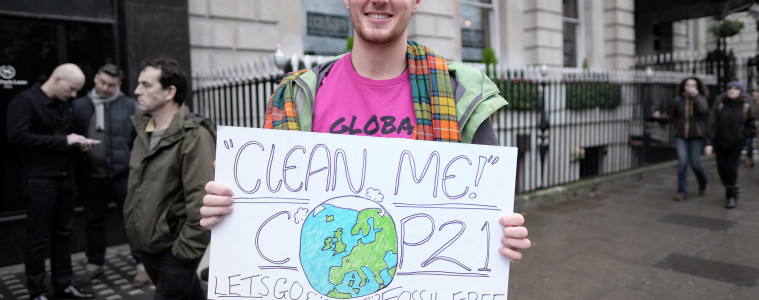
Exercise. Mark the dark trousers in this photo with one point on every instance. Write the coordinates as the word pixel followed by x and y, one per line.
pixel 728 162
pixel 50 220
pixel 173 278
pixel 96 193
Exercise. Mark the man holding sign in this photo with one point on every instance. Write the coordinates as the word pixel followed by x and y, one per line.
pixel 386 87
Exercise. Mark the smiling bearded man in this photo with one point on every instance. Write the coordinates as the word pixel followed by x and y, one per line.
pixel 390 81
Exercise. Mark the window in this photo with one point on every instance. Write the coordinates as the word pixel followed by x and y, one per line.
pixel 477 21
pixel 571 28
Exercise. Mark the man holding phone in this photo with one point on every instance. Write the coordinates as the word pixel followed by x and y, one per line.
pixel 39 127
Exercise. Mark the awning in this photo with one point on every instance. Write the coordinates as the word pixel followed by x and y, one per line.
pixel 676 10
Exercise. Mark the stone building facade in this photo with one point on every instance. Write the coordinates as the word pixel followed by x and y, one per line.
pixel 520 32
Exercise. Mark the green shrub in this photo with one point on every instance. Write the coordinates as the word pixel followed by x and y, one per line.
pixel 726 28
pixel 521 95
pixel 489 59
pixel 588 95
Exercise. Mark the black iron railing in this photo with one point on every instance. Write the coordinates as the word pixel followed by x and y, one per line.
pixel 568 125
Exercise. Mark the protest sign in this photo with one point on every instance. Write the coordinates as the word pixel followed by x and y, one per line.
pixel 321 216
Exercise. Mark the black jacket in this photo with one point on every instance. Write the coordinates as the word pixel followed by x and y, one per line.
pixel 119 131
pixel 731 122
pixel 37 128
pixel 690 116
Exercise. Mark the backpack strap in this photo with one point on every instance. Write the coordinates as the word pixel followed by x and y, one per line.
pixel 746 107
pixel 193 120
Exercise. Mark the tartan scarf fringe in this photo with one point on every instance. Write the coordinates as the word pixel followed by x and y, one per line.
pixel 431 91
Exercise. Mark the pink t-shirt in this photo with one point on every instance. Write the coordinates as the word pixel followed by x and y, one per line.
pixel 348 103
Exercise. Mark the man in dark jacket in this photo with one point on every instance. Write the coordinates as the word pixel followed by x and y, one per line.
pixel 732 120
pixel 171 161
pixel 104 114
pixel 39 126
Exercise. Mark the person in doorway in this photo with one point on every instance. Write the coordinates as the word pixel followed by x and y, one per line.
pixel 689 110
pixel 386 75
pixel 732 121
pixel 171 161
pixel 104 114
pixel 39 126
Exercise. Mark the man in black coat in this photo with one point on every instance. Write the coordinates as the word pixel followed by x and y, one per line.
pixel 39 127
pixel 104 114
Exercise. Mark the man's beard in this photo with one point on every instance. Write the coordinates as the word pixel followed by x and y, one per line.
pixel 379 38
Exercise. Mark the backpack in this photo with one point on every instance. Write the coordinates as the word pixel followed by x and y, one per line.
pixel 192 120
pixel 746 107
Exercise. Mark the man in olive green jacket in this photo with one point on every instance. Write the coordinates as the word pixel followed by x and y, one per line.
pixel 172 159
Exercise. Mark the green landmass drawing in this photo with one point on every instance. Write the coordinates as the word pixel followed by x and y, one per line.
pixel 365 255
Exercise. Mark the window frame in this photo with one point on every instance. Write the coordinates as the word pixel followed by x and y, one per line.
pixel 494 30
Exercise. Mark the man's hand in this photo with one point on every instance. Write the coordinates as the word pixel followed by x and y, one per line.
pixel 74 138
pixel 84 143
pixel 217 203
pixel 514 237
pixel 708 150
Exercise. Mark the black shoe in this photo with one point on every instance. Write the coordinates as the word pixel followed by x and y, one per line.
pixel 73 293
pixel 731 203
pixel 731 193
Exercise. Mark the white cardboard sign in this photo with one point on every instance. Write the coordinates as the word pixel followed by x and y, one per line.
pixel 320 216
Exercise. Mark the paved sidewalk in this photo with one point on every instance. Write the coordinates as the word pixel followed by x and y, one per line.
pixel 622 237
pixel 630 240
pixel 114 284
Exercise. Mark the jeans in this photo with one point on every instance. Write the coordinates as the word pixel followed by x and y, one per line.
pixel 689 152
pixel 50 220
pixel 96 193
pixel 173 278
pixel 728 162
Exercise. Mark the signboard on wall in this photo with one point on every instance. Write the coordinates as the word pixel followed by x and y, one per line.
pixel 326 28
pixel 327 25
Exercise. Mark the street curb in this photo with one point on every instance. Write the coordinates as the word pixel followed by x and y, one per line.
pixel 563 193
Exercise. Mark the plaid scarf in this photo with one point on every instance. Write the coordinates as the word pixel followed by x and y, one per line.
pixel 431 91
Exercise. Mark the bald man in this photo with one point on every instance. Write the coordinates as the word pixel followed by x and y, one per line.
pixel 39 127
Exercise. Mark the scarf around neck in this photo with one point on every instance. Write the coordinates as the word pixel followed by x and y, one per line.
pixel 99 104
pixel 431 91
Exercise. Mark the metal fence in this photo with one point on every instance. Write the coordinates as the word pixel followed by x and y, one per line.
pixel 568 124
pixel 724 66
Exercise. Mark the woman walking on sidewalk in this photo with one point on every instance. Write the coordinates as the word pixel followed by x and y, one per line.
pixel 732 120
pixel 689 110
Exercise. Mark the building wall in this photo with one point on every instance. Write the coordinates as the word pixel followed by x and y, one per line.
pixel 431 26
pixel 543 33
pixel 693 35
pixel 620 33
pixel 745 42
pixel 230 32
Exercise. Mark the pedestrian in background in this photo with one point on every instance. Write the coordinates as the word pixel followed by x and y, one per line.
pixel 689 110
pixel 751 142
pixel 104 114
pixel 39 127
pixel 171 161
pixel 732 121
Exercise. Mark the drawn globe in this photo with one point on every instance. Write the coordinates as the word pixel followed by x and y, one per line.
pixel 348 247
